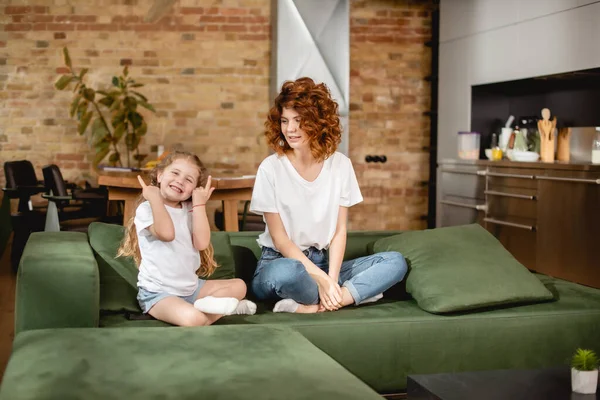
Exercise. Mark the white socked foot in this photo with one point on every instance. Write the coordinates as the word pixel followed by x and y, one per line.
pixel 286 305
pixel 373 299
pixel 245 307
pixel 216 305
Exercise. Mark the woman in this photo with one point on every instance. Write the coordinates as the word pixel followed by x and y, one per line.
pixel 304 191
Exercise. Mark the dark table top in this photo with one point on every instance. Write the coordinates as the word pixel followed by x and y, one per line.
pixel 542 384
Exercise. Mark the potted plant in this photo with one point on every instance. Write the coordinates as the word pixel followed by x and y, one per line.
pixel 110 115
pixel 584 371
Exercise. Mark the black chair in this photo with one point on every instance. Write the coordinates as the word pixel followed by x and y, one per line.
pixel 69 202
pixel 21 184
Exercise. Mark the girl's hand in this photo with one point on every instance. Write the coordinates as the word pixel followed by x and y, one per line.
pixel 200 195
pixel 330 293
pixel 150 193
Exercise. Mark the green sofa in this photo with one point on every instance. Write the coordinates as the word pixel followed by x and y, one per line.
pixel 68 281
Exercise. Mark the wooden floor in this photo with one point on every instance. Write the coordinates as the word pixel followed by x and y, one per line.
pixel 7 309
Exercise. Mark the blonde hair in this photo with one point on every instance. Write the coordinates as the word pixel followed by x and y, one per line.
pixel 130 247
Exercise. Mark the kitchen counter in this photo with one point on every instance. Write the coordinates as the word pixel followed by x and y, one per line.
pixel 557 165
pixel 545 214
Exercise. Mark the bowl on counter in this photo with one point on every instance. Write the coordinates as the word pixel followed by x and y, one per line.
pixel 523 156
pixel 488 153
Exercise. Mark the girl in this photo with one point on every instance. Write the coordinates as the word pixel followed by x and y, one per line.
pixel 165 236
pixel 304 191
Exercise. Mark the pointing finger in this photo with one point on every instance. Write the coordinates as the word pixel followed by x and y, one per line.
pixel 208 182
pixel 141 182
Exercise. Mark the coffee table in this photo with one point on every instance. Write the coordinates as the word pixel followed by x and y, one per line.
pixel 542 384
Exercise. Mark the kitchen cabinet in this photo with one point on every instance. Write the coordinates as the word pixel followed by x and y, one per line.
pixel 546 215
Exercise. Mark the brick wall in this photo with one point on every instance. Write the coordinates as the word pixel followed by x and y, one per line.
pixel 206 69
pixel 388 95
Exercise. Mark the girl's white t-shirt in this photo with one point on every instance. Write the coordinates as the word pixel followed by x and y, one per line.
pixel 308 210
pixel 167 266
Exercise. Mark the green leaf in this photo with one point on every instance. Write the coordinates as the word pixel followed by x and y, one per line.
pixel 83 72
pixel 106 101
pixel 114 157
pixel 130 103
pixel 67 57
pixel 77 86
pixel 89 94
pixel 74 106
pixel 142 129
pixel 136 85
pixel 118 119
pixel 126 70
pixel 136 119
pixel 63 82
pixel 138 94
pixel 81 109
pixel 584 360
pixel 99 132
pixel 115 81
pixel 118 133
pixel 101 152
pixel 116 104
pixel 132 141
pixel 83 124
pixel 147 106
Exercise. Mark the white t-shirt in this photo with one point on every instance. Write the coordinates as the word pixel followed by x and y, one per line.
pixel 167 266
pixel 308 210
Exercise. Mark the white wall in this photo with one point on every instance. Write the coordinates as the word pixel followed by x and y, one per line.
pixel 486 41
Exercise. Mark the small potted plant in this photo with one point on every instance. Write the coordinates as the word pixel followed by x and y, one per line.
pixel 584 371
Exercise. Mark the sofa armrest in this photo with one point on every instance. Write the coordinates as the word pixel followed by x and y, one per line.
pixel 57 283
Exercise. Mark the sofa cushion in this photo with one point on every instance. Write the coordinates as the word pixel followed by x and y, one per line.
pixel 462 268
pixel 118 276
pixel 217 362
pixel 57 283
pixel 382 343
pixel 105 240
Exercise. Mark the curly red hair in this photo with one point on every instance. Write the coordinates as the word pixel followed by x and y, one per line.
pixel 319 117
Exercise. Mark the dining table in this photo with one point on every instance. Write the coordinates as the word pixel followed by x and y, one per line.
pixel 230 190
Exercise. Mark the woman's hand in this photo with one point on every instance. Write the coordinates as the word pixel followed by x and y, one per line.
pixel 150 193
pixel 330 292
pixel 200 195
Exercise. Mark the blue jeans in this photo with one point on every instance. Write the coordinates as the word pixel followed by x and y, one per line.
pixel 277 277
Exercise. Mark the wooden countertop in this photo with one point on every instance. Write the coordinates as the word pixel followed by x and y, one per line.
pixel 557 165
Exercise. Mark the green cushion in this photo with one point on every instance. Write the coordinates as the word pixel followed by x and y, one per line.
pixel 245 362
pixel 462 268
pixel 105 240
pixel 223 256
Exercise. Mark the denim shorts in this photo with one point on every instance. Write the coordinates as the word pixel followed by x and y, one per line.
pixel 148 299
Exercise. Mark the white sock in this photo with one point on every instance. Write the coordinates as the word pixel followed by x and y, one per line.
pixel 372 299
pixel 216 305
pixel 286 305
pixel 245 307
